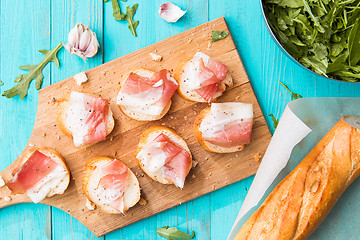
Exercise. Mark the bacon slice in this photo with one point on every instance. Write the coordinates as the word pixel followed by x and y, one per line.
pixel 147 95
pixel 87 118
pixel 228 124
pixel 37 167
pixel 112 184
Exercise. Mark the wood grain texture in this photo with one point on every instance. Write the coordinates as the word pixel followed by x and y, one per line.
pixel 38 21
pixel 213 171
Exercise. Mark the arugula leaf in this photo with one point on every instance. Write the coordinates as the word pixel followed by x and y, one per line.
pixel 275 120
pixel 118 15
pixel 106 0
pixel 129 17
pixel 293 95
pixel 174 234
pixel 322 35
pixel 218 35
pixel 35 72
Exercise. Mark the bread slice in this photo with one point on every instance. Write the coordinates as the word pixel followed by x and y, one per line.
pixel 63 106
pixel 131 111
pixel 131 194
pixel 181 74
pixel 149 135
pixel 55 156
pixel 207 145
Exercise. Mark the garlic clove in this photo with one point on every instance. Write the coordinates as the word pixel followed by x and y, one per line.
pixel 170 12
pixel 82 42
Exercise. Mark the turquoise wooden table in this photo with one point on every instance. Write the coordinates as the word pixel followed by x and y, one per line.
pixel 30 25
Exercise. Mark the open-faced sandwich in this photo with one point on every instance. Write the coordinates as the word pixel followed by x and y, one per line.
pixel 40 173
pixel 111 185
pixel 84 117
pixel 164 156
pixel 224 127
pixel 145 95
pixel 202 79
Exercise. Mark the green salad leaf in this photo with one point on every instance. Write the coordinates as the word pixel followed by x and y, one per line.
pixel 130 11
pixel 172 233
pixel 35 72
pixel 118 15
pixel 322 35
pixel 218 35
pixel 293 95
pixel 274 120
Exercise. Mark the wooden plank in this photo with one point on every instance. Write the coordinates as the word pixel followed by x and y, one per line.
pixel 65 14
pixel 224 168
pixel 21 38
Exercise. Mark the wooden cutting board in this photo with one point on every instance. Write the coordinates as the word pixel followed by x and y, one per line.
pixel 212 172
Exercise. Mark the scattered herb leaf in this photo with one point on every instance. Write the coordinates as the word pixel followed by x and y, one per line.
pixel 118 15
pixel 275 120
pixel 322 35
pixel 174 234
pixel 293 95
pixel 218 35
pixel 35 72
pixel 106 0
pixel 130 11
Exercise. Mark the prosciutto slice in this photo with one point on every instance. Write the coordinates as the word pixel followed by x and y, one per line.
pixel 26 176
pixel 208 75
pixel 87 118
pixel 112 184
pixel 147 95
pixel 162 154
pixel 228 124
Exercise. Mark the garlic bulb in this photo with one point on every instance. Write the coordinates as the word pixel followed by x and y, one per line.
pixel 170 12
pixel 82 42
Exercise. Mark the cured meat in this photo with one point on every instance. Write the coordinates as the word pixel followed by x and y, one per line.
pixel 112 184
pixel 147 95
pixel 228 124
pixel 87 118
pixel 162 154
pixel 208 92
pixel 26 176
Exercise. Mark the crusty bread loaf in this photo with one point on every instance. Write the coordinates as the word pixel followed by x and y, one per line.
pixel 149 135
pixel 130 111
pixel 302 200
pixel 63 106
pixel 55 156
pixel 131 194
pixel 208 146
pixel 181 75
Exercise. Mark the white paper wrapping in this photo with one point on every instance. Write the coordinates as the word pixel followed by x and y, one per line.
pixel 299 117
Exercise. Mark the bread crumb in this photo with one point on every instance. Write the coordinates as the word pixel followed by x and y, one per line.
pixel 210 174
pixel 80 78
pixel 155 57
pixel 185 117
pixel 257 157
pixel 193 176
pixel 2 182
pixel 189 40
pixel 194 163
pixel 58 137
pixel 213 187
pixel 31 145
pixel 90 205
pixel 142 202
pixel 44 134
pixel 7 198
pixel 111 139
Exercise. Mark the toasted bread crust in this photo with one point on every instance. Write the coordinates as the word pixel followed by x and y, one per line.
pixel 144 139
pixel 207 145
pixel 141 117
pixel 90 167
pixel 63 104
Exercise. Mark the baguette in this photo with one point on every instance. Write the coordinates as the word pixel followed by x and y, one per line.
pixel 301 201
pixel 91 181
pixel 146 138
pixel 56 184
pixel 62 113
